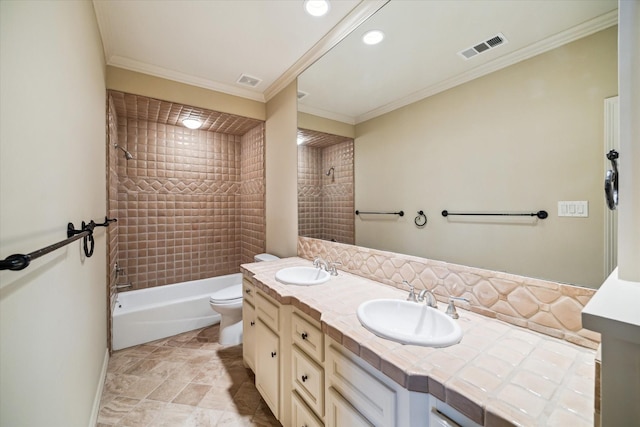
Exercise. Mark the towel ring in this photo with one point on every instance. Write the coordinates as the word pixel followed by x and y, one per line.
pixel 421 219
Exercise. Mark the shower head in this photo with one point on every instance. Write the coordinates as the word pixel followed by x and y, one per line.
pixel 127 155
pixel 331 170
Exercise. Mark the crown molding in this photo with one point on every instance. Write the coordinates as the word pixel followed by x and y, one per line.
pixel 103 28
pixel 583 30
pixel 357 16
pixel 350 120
pixel 141 67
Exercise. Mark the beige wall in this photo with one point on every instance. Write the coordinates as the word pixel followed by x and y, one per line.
pixel 167 90
pixel 281 155
pixel 52 171
pixel 520 139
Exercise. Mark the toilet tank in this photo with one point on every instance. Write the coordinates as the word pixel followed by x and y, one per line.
pixel 265 257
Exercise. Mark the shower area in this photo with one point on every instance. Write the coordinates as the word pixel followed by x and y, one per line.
pixel 325 186
pixel 189 202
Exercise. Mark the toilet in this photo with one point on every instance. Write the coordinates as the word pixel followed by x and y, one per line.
pixel 228 303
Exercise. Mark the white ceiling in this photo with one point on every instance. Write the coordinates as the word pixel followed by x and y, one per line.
pixel 210 43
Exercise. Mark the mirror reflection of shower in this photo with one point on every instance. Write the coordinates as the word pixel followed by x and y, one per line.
pixel 330 172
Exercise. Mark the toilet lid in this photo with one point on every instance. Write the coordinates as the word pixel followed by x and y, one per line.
pixel 227 294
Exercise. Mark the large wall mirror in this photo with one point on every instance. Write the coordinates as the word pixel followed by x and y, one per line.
pixel 475 107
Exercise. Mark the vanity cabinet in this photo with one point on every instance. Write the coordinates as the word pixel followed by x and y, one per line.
pixel 267 351
pixel 355 397
pixel 248 324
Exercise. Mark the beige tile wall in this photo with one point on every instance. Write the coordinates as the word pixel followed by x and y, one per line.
pixel 183 199
pixel 543 306
pixel 310 218
pixel 252 190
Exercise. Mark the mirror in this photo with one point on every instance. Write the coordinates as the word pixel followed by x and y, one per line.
pixel 515 128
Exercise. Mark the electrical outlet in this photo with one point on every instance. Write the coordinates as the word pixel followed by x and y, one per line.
pixel 574 208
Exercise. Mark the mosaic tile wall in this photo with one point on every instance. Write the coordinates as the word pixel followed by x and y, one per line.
pixel 179 202
pixel 252 191
pixel 325 202
pixel 547 307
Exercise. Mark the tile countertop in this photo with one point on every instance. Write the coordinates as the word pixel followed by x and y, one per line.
pixel 498 375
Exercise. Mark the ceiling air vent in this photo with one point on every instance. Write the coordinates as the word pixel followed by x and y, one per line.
pixel 248 80
pixel 484 46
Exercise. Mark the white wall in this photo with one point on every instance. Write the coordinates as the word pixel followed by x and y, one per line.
pixel 52 171
pixel 518 140
pixel 281 162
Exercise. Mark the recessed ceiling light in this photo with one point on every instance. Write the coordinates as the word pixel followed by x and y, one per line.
pixel 316 7
pixel 192 123
pixel 373 37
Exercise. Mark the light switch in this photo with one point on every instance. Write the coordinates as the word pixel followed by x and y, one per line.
pixel 573 208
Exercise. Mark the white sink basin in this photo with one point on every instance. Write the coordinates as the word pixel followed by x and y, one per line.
pixel 408 322
pixel 302 276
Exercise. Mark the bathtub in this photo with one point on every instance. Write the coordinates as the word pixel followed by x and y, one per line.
pixel 146 315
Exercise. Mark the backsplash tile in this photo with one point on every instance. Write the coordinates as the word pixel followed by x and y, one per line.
pixel 547 307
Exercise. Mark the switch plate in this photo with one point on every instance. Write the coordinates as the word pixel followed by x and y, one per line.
pixel 574 208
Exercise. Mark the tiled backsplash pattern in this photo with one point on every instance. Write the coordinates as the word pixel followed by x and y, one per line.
pixel 186 196
pixel 325 202
pixel 547 307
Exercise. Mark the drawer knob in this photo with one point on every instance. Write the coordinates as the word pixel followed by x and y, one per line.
pixel 304 335
pixel 252 323
pixel 304 378
pixel 273 354
pixel 247 291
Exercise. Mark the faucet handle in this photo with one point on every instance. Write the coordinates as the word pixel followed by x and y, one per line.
pixel 412 293
pixel 332 267
pixel 451 309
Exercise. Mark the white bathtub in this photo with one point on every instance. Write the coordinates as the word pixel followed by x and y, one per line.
pixel 150 314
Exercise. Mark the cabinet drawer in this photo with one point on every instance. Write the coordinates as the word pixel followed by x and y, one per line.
pixel 308 337
pixel 248 291
pixel 301 416
pixel 363 391
pixel 341 414
pixel 267 311
pixel 308 380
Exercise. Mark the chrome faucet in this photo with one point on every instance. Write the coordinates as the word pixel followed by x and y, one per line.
pixel 428 297
pixel 451 309
pixel 332 268
pixel 320 263
pixel 412 293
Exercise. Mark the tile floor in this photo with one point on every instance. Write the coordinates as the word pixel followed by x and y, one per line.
pixel 185 380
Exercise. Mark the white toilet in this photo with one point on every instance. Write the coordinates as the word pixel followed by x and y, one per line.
pixel 228 303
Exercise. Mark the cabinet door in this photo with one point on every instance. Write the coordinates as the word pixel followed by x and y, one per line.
pixel 267 360
pixel 341 414
pixel 249 335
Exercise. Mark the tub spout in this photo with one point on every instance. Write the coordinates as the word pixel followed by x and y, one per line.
pixel 122 286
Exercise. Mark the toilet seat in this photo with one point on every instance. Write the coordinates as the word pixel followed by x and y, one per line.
pixel 228 295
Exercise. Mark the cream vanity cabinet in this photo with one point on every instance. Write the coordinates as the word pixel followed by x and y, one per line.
pixel 267 350
pixel 248 323
pixel 307 371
